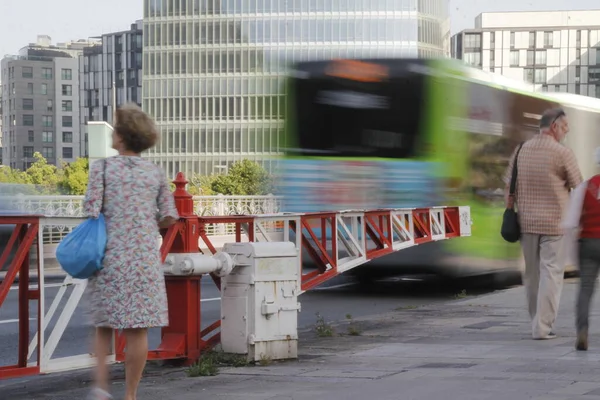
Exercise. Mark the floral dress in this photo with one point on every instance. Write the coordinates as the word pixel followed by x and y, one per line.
pixel 129 291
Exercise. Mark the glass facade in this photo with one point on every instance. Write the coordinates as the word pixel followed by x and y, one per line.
pixel 213 69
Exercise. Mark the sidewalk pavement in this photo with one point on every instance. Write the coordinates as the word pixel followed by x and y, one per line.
pixel 471 348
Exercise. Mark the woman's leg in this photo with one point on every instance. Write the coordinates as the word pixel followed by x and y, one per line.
pixel 102 344
pixel 589 264
pixel 135 360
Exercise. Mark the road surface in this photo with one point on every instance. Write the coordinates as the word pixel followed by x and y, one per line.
pixel 334 300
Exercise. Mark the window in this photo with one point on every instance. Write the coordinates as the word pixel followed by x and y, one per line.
pixel 28 120
pixel 531 39
pixel 528 75
pixel 27 104
pixel 530 57
pixel 66 74
pixel 67 152
pixel 48 152
pixel 67 137
pixel 47 137
pixel 472 41
pixel 27 72
pixel 514 58
pixel 28 151
pixel 47 121
pixel 594 75
pixel 577 88
pixel 540 57
pixel 50 105
pixel 597 91
pixel 473 58
pixel 67 120
pixel 30 88
pixel 67 90
pixel 512 40
pixel 67 105
pixel 540 76
pixel 548 39
pixel 44 88
pixel 47 73
pixel 30 136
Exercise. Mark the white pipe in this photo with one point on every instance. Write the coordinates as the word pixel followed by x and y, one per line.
pixel 220 264
pixel 198 265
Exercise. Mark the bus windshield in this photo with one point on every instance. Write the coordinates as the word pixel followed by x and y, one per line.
pixel 357 108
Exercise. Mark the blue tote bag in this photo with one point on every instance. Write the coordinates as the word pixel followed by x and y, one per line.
pixel 81 252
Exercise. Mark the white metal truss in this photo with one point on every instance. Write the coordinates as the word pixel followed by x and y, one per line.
pixel 50 339
pixel 403 226
pixel 350 229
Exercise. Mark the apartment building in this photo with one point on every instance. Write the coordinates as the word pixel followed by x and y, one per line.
pixel 40 103
pixel 115 60
pixel 557 51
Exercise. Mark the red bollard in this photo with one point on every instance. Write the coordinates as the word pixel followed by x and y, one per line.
pixel 182 338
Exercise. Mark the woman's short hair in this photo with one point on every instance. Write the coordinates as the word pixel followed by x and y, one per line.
pixel 135 128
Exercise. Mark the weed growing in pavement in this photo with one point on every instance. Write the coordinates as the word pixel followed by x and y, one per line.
pixel 353 329
pixel 461 295
pixel 209 363
pixel 265 360
pixel 322 328
pixel 409 307
pixel 205 366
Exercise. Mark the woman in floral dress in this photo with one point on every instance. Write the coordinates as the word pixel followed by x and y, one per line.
pixel 129 293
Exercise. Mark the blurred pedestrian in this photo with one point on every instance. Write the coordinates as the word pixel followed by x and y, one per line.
pixel 583 220
pixel 129 293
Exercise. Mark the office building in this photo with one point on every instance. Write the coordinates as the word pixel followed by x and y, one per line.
pixel 117 59
pixel 213 71
pixel 557 51
pixel 40 103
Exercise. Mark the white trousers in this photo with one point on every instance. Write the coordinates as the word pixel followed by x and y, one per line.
pixel 543 278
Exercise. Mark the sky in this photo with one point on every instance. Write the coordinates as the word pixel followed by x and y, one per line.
pixel 22 20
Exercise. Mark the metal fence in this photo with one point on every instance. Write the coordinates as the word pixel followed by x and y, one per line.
pixel 72 206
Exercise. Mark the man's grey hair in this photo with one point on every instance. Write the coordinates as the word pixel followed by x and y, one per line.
pixel 550 116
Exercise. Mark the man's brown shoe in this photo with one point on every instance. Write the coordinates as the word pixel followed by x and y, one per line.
pixel 582 341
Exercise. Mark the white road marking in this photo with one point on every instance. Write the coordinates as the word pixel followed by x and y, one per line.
pixel 211 299
pixel 337 286
pixel 10 321
pixel 49 285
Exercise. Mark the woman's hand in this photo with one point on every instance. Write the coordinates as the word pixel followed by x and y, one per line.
pixel 167 222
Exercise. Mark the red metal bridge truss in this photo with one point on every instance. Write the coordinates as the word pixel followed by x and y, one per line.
pixel 335 242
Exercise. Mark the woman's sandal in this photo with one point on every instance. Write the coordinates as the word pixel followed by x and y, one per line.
pixel 99 394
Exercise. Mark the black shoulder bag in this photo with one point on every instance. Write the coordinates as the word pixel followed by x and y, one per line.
pixel 511 230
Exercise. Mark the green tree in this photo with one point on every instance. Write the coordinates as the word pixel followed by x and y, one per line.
pixel 75 177
pixel 201 185
pixel 246 178
pixel 13 176
pixel 45 176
